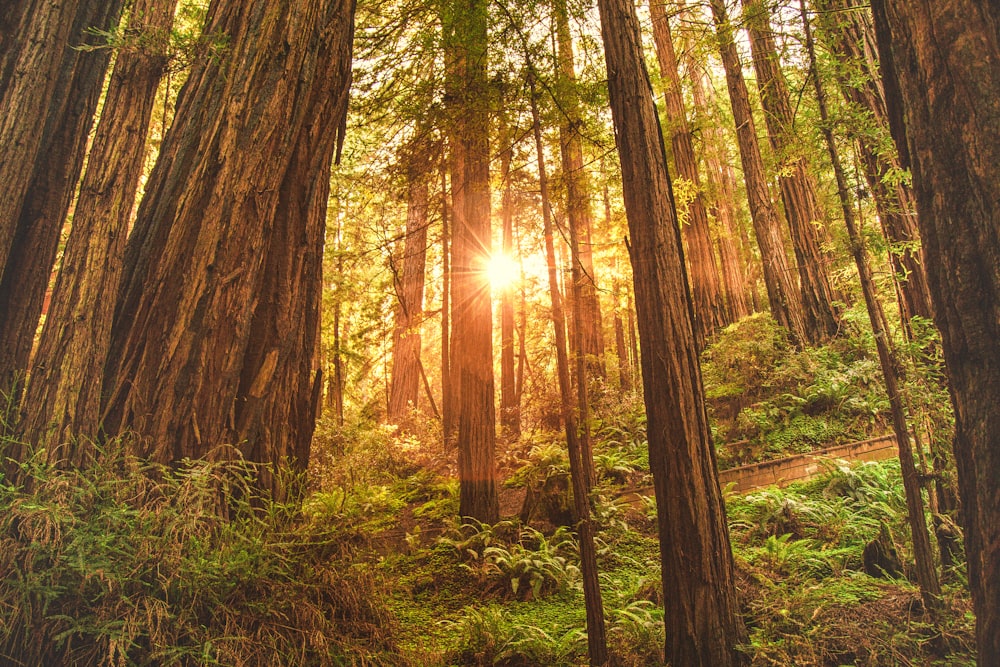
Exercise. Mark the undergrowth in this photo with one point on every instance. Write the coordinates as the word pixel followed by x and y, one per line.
pixel 769 400
pixel 128 563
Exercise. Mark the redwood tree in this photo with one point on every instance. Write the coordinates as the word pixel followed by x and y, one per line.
pixel 465 36
pixel 786 306
pixel 47 107
pixel 63 398
pixel 941 66
pixel 703 625
pixel 798 187
pixel 578 202
pixel 214 335
pixel 709 308
pixel 409 284
pixel 850 37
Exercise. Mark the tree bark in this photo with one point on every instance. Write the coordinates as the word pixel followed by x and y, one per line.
pixel 597 647
pixel 510 405
pixel 786 306
pixel 40 162
pixel 214 334
pixel 578 200
pixel 721 183
pixel 703 625
pixel 472 316
pixel 941 67
pixel 709 306
pixel 62 406
pixel 798 187
pixel 405 387
pixel 448 420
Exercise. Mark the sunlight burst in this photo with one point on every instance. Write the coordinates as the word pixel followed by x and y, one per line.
pixel 502 271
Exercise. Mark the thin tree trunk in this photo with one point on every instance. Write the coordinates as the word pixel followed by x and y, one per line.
pixel 848 28
pixel 235 205
pixel 738 301
pixel 709 306
pixel 703 625
pixel 798 187
pixel 596 640
pixel 405 387
pixel 927 578
pixel 510 407
pixel 62 406
pixel 786 306
pixel 578 200
pixel 624 367
pixel 941 67
pixel 45 118
pixel 448 422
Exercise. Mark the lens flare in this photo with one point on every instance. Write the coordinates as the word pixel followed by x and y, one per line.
pixel 502 271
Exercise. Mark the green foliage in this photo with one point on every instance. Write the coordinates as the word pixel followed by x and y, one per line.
pixel 529 567
pixel 130 563
pixel 637 631
pixel 488 637
pixel 769 400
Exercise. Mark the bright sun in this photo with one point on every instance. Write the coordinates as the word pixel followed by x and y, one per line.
pixel 502 271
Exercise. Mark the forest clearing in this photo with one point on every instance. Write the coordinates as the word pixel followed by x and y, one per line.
pixel 431 333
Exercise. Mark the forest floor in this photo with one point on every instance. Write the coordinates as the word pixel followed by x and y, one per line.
pixel 510 594
pixel 127 563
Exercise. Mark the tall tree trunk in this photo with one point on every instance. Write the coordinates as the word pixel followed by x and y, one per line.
pixel 405 387
pixel 510 405
pixel 798 187
pixel 850 35
pixel 596 640
pixel 927 578
pixel 721 183
pixel 786 306
pixel 472 317
pixel 941 67
pixel 63 398
pixel 709 307
pixel 448 421
pixel 621 351
pixel 578 200
pixel 235 206
pixel 703 625
pixel 41 160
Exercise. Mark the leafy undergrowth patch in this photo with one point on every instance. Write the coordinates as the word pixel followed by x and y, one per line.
pixel 128 563
pixel 769 400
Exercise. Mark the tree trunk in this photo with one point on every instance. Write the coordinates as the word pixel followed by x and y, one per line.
pixel 405 388
pixel 40 162
pixel 578 199
pixel 798 188
pixel 941 66
pixel 786 306
pixel 510 406
pixel 709 307
pixel 851 36
pixel 597 647
pixel 927 578
pixel 703 625
pixel 448 421
pixel 621 351
pixel 472 317
pixel 235 207
pixel 62 406
pixel 734 275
